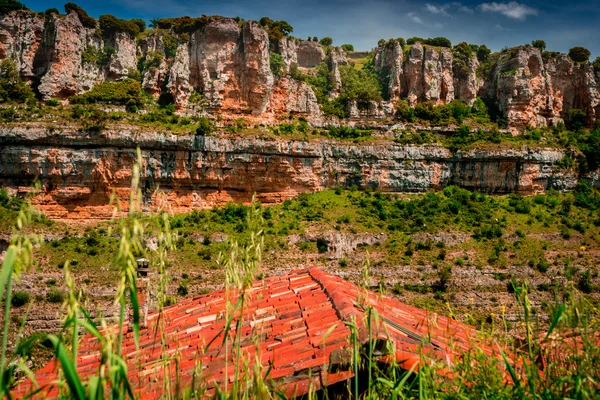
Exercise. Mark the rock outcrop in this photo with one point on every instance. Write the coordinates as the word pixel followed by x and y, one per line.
pixel 21 35
pixel 80 171
pixel 309 54
pixel 531 92
pixel 226 65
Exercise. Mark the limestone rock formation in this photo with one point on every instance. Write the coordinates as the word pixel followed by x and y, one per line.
pixel 21 35
pixel 466 88
pixel 180 173
pixel 226 64
pixel 295 97
pixel 231 65
pixel 151 49
pixel 124 59
pixel 530 92
pixel 310 54
pixel 64 41
pixel 388 64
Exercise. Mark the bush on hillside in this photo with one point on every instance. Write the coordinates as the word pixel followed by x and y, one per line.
pixel 348 48
pixel 83 16
pixel 326 41
pixel 111 25
pixel 126 92
pixel 539 44
pixel 277 65
pixel 19 299
pixel 579 54
pixel 7 6
pixel 276 30
pixel 12 88
pixel 52 11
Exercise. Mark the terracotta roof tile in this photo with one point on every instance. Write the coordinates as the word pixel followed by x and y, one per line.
pixel 295 325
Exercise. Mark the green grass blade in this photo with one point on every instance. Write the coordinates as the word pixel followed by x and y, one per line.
pixel 7 268
pixel 75 386
pixel 556 319
pixel 511 371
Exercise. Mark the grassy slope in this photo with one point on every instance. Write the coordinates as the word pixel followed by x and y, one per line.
pixel 538 239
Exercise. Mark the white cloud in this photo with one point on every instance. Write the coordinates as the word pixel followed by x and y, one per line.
pixel 445 9
pixel 415 18
pixel 512 10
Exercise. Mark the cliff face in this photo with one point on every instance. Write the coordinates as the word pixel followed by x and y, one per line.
pixel 531 92
pixel 226 64
pixel 79 172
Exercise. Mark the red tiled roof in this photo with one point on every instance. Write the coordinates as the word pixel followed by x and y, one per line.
pixel 295 325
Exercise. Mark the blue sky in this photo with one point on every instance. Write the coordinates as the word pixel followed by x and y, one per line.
pixel 562 24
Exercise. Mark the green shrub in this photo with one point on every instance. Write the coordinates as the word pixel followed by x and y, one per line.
pixel 83 16
pixel 7 6
pixel 539 44
pixel 579 54
pixel 126 92
pixel 276 30
pixel 8 202
pixel 53 102
pixel 277 64
pixel 183 24
pixel 19 299
pixel 585 282
pixel 348 48
pixel 52 11
pixel 205 126
pixel 12 88
pixel 111 25
pixel 55 296
pixel 326 41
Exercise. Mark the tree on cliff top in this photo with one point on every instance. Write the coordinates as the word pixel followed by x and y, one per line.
pixel 326 41
pixel 110 25
pixel 348 48
pixel 84 18
pixel 579 54
pixel 539 44
pixel 11 5
pixel 277 30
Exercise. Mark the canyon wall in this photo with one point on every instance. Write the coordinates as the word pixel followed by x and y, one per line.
pixel 225 68
pixel 79 172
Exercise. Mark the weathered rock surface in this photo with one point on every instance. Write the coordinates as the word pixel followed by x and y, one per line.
pixel 309 54
pixel 21 36
pixel 227 64
pixel 79 171
pixel 530 92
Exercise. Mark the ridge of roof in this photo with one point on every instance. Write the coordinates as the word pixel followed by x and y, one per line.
pixel 304 321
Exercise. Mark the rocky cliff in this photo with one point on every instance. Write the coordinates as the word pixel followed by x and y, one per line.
pixel 80 171
pixel 225 66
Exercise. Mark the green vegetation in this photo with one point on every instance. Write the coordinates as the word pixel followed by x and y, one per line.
pixel 7 6
pixel 83 16
pixel 579 54
pixel 348 48
pixel 19 299
pixel 52 11
pixel 539 44
pixel 183 24
pixel 111 25
pixel 437 42
pixel 277 30
pixel 126 92
pixel 277 65
pixel 444 114
pixel 326 41
pixel 12 88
